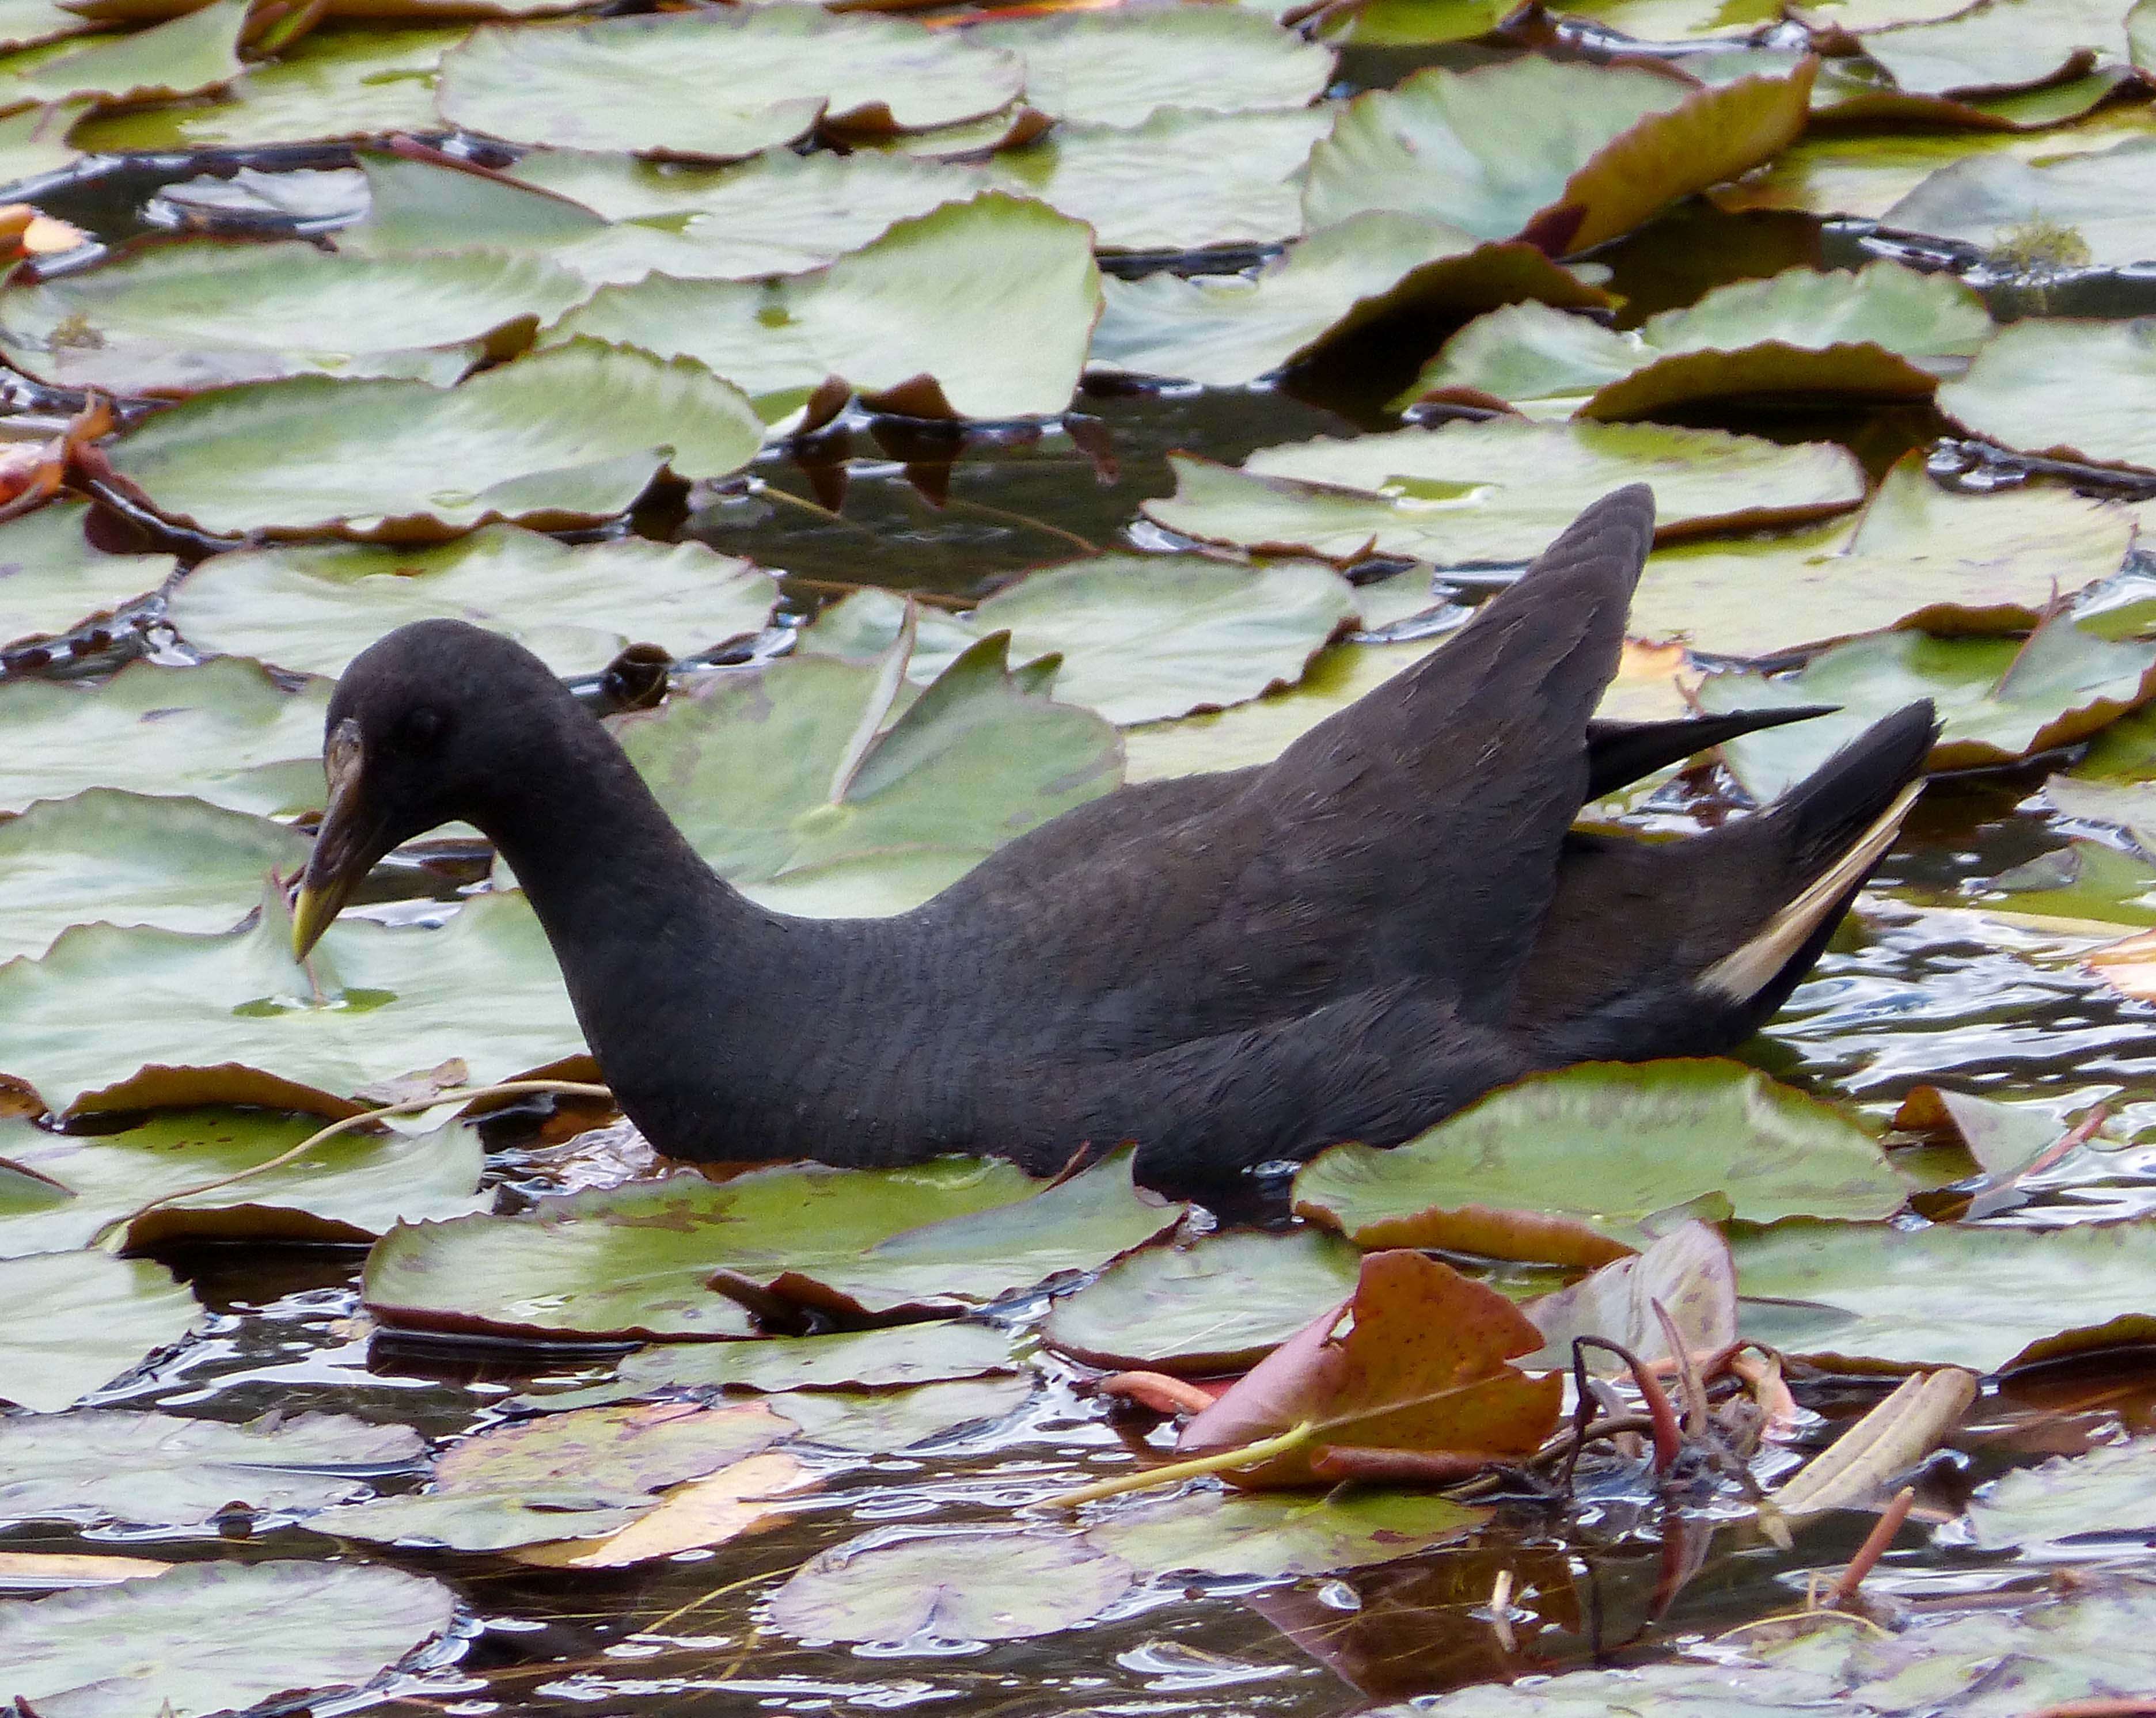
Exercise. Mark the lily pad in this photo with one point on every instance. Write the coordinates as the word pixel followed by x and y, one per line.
pixel 980 310
pixel 2104 1496
pixel 1589 1154
pixel 27 23
pixel 1922 557
pixel 225 732
pixel 1217 1304
pixel 745 1498
pixel 954 1587
pixel 877 1423
pixel 114 858
pixel 2028 389
pixel 1984 1297
pixel 1228 330
pixel 1882 331
pixel 2095 208
pixel 1563 154
pixel 312 607
pixel 34 143
pixel 850 1361
pixel 1495 493
pixel 178 318
pixel 1271 1535
pixel 567 436
pixel 53 578
pixel 197 52
pixel 72 1321
pixel 639 1260
pixel 718 86
pixel 213 1636
pixel 1686 1273
pixel 101 1465
pixel 2001 45
pixel 1120 67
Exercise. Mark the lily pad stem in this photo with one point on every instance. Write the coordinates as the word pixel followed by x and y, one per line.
pixel 1247 1455
pixel 111 1235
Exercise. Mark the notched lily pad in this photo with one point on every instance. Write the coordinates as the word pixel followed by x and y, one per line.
pixel 850 1361
pixel 949 1587
pixel 197 52
pixel 1271 1535
pixel 2028 389
pixel 72 1321
pixel 2105 1495
pixel 53 579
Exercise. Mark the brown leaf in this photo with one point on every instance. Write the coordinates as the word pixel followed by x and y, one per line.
pixel 745 1498
pixel 1688 1270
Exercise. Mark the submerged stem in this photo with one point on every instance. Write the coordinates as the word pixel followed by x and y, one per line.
pixel 1248 1455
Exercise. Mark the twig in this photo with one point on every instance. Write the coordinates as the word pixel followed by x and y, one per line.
pixel 1874 1547
pixel 1249 1455
pixel 1669 1437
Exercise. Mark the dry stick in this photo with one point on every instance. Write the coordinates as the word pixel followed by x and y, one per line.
pixel 1874 1547
pixel 119 1226
pixel 1248 1455
pixel 1669 1439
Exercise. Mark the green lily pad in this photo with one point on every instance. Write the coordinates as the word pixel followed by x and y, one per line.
pixel 225 732
pixel 1267 1535
pixel 176 319
pixel 350 1188
pixel 716 86
pixel 955 1586
pixel 34 143
pixel 1987 1298
pixel 1120 67
pixel 2088 210
pixel 114 858
pixel 755 772
pixel 1683 20
pixel 1217 1305
pixel 2086 880
pixel 2001 699
pixel 2029 390
pixel 312 607
pixel 1228 330
pixel 567 436
pixel 232 1019
pixel 1600 1149
pixel 1921 557
pixel 1141 636
pixel 639 1260
pixel 1238 177
pixel 199 51
pixel 980 310
pixel 1495 493
pixel 1563 154
pixel 70 1322
pixel 2105 1495
pixel 1882 331
pixel 850 1361
pixel 102 1465
pixel 53 578
pixel 27 23
pixel 214 1636
pixel 874 1423
pixel 2001 45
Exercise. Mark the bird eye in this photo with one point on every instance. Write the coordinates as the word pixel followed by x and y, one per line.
pixel 421 731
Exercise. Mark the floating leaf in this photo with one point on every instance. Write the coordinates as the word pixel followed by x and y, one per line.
pixel 1922 557
pixel 746 1498
pixel 1495 493
pixel 2029 390
pixel 2089 210
pixel 72 1321
pixel 27 23
pixel 1217 1305
pixel 225 732
pixel 33 143
pixel 876 1425
pixel 1687 1273
pixel 312 607
pixel 716 86
pixel 199 51
pixel 1856 1470
pixel 1563 154
pixel 2102 1496
pixel 1266 1536
pixel 2001 45
pixel 101 1465
pixel 1227 330
pixel 1989 1299
pixel 980 310
pixel 176 319
pixel 901 1356
pixel 956 1586
pixel 1587 1154
pixel 563 436
pixel 214 1636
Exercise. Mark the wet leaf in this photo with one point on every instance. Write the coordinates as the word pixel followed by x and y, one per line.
pixel 177 319
pixel 199 51
pixel 1687 1271
pixel 53 578
pixel 1883 331
pixel 2093 208
pixel 1416 1360
pixel 2001 45
pixel 102 1465
pixel 2028 389
pixel 48 1571
pixel 1858 1468
pixel 2102 1496
pixel 956 1586
pixel 1921 557
pixel 1268 1536
pixel 1565 154
pixel 72 1321
pixel 880 1424
pixel 2003 1138
pixel 1226 331
pixel 563 436
pixel 718 86
pixel 1595 1151
pixel 26 23
pixel 225 732
pixel 1217 1305
pixel 748 1497
pixel 1141 636
pixel 1495 493
pixel 311 607
pixel 215 1636
pixel 980 310
pixel 903 1355
pixel 639 1260
pixel 1986 1298
pixel 2091 887
pixel 33 143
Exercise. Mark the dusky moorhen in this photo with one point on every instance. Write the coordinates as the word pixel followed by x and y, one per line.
pixel 1350 942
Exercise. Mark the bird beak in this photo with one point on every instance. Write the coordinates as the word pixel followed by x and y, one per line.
pixel 346 845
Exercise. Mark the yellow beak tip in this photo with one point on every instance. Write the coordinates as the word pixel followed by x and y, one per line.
pixel 311 916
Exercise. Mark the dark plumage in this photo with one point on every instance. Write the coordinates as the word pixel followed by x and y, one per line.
pixel 1350 942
